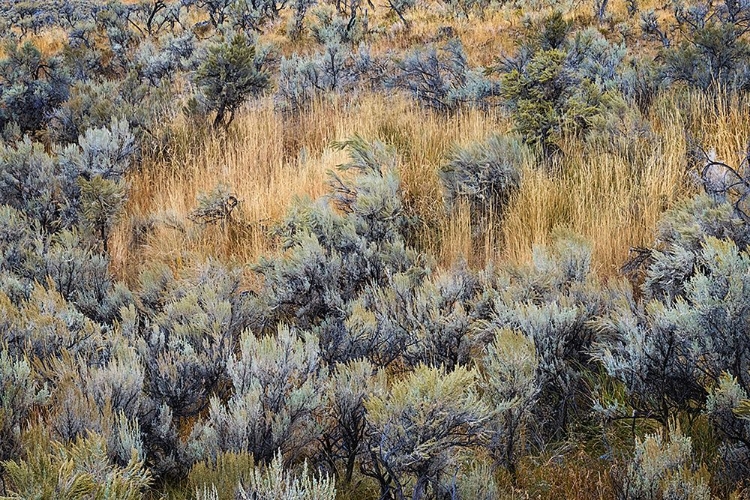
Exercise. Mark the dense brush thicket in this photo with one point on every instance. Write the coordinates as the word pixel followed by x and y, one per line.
pixel 355 367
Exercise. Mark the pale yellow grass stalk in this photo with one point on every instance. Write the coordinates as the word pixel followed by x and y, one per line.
pixel 614 200
pixel 612 194
pixel 269 160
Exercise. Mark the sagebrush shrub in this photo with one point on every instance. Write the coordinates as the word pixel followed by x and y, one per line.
pixel 31 182
pixel 417 430
pixel 662 468
pixel 274 379
pixel 45 325
pixel 255 14
pixel 31 86
pixel 725 407
pixel 21 244
pixel 328 26
pixel 73 471
pixel 442 79
pixel 302 78
pixel 80 272
pixel 705 44
pixel 671 352
pixel 331 255
pixel 21 393
pixel 164 60
pixel 344 413
pixel 410 320
pixel 551 302
pixel 484 174
pixel 684 349
pixel 509 387
pixel 274 483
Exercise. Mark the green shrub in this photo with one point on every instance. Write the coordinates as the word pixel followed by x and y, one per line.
pixel 560 86
pixel 102 201
pixel 229 76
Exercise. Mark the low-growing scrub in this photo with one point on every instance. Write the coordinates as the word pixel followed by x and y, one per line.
pixel 294 250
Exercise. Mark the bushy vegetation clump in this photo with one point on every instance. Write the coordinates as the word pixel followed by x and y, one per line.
pixel 704 44
pixel 561 84
pixel 228 77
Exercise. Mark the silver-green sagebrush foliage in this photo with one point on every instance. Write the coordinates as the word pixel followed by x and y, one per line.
pixel 662 468
pixel 346 362
pixel 333 252
pixel 442 79
pixel 349 386
pixel 20 394
pixel 274 400
pixel 509 387
pixel 274 482
pixel 417 431
pixel 485 175
pixel 683 349
pixel 75 471
pixel 692 328
pixel 704 44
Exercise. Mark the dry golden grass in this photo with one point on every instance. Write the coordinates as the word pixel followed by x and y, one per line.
pixel 612 193
pixel 268 161
pixel 50 42
pixel 612 198
pixel 615 200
